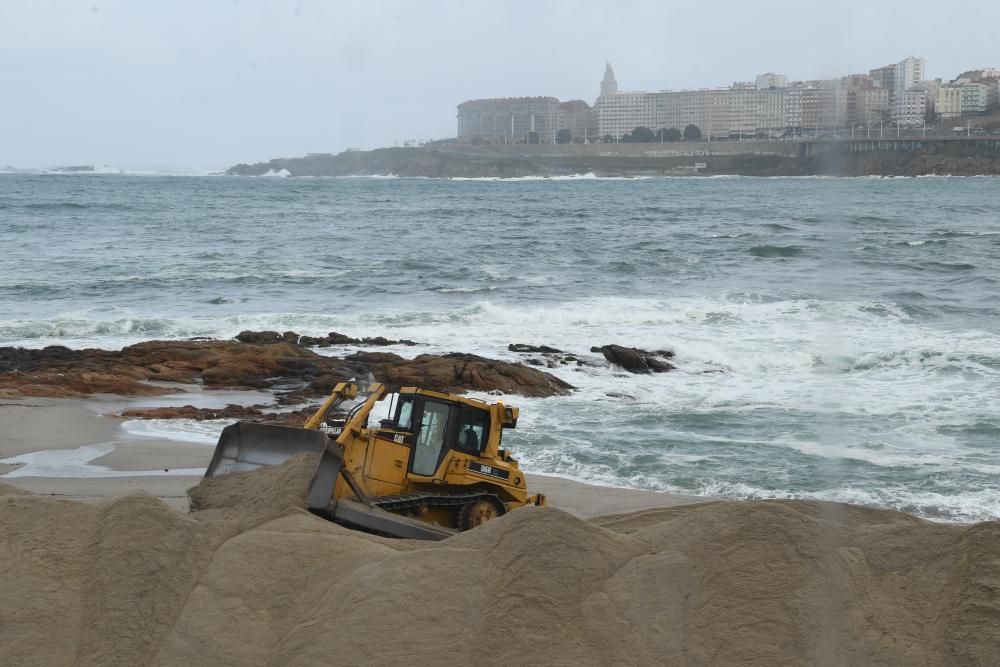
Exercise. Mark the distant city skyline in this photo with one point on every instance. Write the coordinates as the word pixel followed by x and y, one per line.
pixel 188 84
pixel 771 106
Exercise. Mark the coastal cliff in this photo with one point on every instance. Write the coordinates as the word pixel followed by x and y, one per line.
pixel 775 158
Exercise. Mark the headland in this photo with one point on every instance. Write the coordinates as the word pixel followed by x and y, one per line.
pixel 968 156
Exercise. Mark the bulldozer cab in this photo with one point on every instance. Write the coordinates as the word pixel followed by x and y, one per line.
pixel 433 425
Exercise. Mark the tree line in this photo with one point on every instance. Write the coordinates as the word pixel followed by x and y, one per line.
pixel 644 135
pixel 640 135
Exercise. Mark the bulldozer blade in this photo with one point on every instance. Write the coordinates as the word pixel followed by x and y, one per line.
pixel 359 514
pixel 320 500
pixel 246 446
pixel 374 520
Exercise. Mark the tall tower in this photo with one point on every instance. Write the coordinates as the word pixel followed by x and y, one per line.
pixel 608 83
pixel 909 72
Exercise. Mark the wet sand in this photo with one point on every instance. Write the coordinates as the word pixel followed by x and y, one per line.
pixel 38 425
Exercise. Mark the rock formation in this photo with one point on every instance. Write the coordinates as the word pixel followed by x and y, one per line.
pixel 635 360
pixel 295 372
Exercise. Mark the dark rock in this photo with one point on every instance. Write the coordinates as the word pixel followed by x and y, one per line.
pixel 524 347
pixel 635 360
pixel 380 340
pixel 460 372
pixel 334 338
pixel 191 412
pixel 295 373
pixel 243 413
pixel 314 341
pixel 259 337
pixel 59 372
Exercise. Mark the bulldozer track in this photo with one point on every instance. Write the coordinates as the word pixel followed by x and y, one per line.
pixel 412 500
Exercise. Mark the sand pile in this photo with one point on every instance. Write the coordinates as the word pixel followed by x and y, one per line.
pixel 252 497
pixel 767 583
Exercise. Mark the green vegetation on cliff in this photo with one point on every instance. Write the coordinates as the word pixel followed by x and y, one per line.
pixel 775 159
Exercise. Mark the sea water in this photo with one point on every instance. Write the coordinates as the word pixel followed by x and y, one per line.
pixel 835 338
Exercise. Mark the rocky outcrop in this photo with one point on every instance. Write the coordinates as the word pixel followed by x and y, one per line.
pixel 241 412
pixel 61 372
pixel 332 338
pixel 455 372
pixel 533 349
pixel 294 372
pixel 445 162
pixel 191 412
pixel 635 360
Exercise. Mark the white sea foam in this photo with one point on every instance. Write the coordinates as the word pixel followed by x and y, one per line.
pixel 205 432
pixel 826 364
pixel 78 463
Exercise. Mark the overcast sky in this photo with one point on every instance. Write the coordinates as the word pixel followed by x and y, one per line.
pixel 203 84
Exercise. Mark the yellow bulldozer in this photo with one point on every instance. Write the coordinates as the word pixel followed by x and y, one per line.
pixel 433 468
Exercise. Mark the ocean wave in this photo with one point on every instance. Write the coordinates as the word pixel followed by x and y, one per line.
pixel 969 505
pixel 462 290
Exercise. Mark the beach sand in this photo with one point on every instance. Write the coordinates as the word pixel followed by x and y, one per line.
pixel 250 578
pixel 34 425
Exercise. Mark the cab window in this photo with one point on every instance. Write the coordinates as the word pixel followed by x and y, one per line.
pixel 473 430
pixel 430 440
pixel 404 415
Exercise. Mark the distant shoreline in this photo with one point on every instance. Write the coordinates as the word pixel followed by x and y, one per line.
pixel 861 157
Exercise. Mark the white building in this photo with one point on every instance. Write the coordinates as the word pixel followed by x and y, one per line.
pixel 976 75
pixel 771 80
pixel 740 110
pixel 620 113
pixel 909 72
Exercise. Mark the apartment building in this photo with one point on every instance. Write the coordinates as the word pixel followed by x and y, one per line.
pixel 909 108
pixel 948 102
pixel 771 80
pixel 578 117
pixel 975 98
pixel 884 77
pixel 909 72
pixel 866 105
pixel 509 120
pixel 621 112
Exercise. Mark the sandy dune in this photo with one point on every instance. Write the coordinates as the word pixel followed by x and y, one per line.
pixel 132 581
